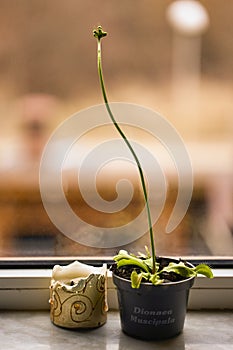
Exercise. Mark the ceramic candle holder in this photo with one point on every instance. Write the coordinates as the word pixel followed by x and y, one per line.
pixel 78 296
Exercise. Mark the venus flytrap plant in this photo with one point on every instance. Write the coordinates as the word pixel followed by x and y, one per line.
pixel 147 265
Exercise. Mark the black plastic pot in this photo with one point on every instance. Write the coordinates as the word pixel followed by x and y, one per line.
pixel 152 312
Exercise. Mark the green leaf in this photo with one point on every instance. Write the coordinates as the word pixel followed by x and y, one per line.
pixel 205 270
pixel 186 271
pixel 136 279
pixel 124 262
pixel 180 268
pixel 148 262
pixel 155 279
pixel 122 254
pixel 123 258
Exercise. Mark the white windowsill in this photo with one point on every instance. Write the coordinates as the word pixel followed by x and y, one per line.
pixel 28 289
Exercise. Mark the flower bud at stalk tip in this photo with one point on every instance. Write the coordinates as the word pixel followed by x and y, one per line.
pixel 99 33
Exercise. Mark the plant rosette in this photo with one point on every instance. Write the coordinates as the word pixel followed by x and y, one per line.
pixel 152 292
pixel 78 296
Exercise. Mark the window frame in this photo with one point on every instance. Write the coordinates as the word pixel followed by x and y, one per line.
pixel 27 287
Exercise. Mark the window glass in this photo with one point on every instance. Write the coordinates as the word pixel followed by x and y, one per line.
pixel 48 73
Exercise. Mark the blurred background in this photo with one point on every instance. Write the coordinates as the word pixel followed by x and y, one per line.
pixel 151 58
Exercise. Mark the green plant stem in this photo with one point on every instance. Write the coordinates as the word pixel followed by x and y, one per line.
pixel 100 71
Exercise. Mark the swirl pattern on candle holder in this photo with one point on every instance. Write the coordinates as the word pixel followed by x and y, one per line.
pixel 82 305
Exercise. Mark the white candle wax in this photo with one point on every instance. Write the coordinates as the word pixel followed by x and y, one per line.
pixel 75 270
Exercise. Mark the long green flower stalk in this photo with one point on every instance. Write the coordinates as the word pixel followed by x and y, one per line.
pixel 99 34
